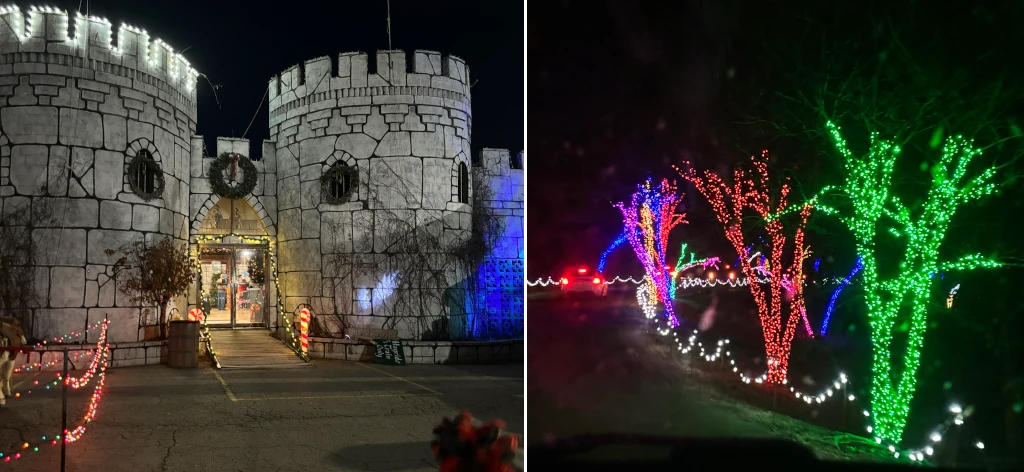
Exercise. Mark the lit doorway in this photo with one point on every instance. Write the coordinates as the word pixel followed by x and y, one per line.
pixel 233 289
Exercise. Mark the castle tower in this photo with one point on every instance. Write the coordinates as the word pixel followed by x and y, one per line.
pixel 94 138
pixel 367 154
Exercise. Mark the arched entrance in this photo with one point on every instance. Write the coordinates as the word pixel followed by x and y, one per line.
pixel 232 247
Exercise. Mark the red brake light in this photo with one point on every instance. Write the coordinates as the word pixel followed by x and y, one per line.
pixel 582 270
pixel 564 281
pixel 597 280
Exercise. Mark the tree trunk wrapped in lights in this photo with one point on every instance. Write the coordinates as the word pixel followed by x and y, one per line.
pixel 730 202
pixel 647 222
pixel 871 206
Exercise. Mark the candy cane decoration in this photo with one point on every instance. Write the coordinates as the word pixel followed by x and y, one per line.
pixel 304 329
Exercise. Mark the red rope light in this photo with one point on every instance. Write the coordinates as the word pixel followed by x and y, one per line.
pixel 753 193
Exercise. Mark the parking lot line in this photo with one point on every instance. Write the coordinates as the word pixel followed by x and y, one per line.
pixel 400 378
pixel 227 390
pixel 318 397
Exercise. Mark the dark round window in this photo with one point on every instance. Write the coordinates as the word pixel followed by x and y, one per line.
pixel 145 176
pixel 339 183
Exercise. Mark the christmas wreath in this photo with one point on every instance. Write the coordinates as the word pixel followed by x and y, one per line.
pixel 137 163
pixel 461 445
pixel 339 173
pixel 232 162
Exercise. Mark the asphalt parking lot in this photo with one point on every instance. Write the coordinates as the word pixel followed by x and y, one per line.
pixel 334 416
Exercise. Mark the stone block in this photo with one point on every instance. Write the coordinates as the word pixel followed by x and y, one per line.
pixel 102 239
pixel 311 224
pixel 109 174
pixel 28 168
pixel 124 323
pixel 394 143
pixel 359 145
pixel 316 150
pixel 67 287
pixel 299 255
pixel 145 218
pixel 138 129
pixel 56 246
pixel 290 225
pixel 428 144
pixel 336 232
pixel 115 215
pixel 397 182
pixel 81 128
pixel 30 125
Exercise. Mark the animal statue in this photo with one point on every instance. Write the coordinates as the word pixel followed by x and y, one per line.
pixel 11 335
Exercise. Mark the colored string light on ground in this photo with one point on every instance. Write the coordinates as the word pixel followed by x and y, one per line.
pixel 835 295
pixel 647 221
pixel 721 353
pixel 39 366
pixel 952 293
pixel 870 206
pixel 70 337
pixel 89 416
pixel 750 191
pixel 101 348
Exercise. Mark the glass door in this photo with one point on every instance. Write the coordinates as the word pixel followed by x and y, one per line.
pixel 217 291
pixel 250 284
pixel 233 285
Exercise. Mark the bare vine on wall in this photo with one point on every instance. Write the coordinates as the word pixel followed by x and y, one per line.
pixel 20 255
pixel 426 264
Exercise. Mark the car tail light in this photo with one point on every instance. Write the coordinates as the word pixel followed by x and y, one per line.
pixel 582 270
pixel 564 281
pixel 597 280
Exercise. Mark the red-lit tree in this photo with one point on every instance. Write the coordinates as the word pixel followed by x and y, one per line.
pixel 749 193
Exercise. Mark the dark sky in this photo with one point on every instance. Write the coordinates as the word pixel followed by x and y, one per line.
pixel 241 44
pixel 620 91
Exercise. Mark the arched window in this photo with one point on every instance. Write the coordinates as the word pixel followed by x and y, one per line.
pixel 463 183
pixel 145 176
pixel 339 183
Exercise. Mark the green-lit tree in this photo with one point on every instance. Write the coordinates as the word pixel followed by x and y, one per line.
pixel 868 205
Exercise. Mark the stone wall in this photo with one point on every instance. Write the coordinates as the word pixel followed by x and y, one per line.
pixel 499 307
pixel 406 132
pixel 74 111
pixel 126 354
pixel 422 352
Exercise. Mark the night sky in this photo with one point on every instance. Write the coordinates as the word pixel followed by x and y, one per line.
pixel 240 45
pixel 620 91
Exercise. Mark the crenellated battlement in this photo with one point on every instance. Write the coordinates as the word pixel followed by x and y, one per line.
pixel 431 74
pixel 43 34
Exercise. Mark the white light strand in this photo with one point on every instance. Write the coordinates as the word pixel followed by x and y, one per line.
pixel 720 351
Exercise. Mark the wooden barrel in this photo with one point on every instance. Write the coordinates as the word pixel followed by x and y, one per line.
pixel 183 344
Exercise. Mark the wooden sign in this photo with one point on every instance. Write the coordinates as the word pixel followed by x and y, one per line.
pixel 389 352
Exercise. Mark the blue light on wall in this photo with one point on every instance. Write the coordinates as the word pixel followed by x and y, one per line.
pixel 368 298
